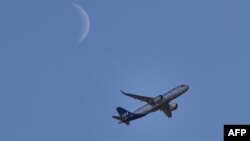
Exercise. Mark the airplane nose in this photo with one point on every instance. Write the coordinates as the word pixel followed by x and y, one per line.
pixel 186 87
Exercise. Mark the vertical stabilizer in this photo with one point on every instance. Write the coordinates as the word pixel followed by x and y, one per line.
pixel 125 114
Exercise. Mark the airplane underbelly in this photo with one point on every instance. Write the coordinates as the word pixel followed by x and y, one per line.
pixel 144 110
pixel 148 108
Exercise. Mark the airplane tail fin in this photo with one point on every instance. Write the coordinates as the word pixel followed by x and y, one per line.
pixel 123 112
pixel 124 115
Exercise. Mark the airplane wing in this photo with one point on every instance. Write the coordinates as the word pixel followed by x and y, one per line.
pixel 167 113
pixel 149 100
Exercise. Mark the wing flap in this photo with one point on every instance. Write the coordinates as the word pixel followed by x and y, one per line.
pixel 146 99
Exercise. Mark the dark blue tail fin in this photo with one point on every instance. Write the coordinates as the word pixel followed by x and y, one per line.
pixel 124 113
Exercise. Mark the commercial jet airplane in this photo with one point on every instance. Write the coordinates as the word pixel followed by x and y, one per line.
pixel 160 102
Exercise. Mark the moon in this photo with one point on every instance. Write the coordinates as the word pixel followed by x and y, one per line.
pixel 85 23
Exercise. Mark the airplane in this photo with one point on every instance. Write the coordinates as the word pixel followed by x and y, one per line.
pixel 160 102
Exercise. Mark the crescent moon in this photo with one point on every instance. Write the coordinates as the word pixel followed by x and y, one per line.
pixel 85 20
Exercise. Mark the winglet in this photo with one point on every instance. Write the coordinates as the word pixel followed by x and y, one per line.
pixel 127 94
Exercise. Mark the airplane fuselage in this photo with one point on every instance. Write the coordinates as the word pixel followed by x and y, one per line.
pixel 167 97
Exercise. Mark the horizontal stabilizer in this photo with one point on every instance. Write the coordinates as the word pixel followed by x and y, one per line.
pixel 118 118
pixel 121 120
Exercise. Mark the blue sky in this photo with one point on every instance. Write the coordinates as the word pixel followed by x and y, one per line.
pixel 54 90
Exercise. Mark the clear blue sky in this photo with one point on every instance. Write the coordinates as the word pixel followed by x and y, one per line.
pixel 54 90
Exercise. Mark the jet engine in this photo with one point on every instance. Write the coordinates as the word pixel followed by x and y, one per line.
pixel 158 99
pixel 173 106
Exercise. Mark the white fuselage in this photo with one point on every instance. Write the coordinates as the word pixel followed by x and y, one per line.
pixel 167 97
